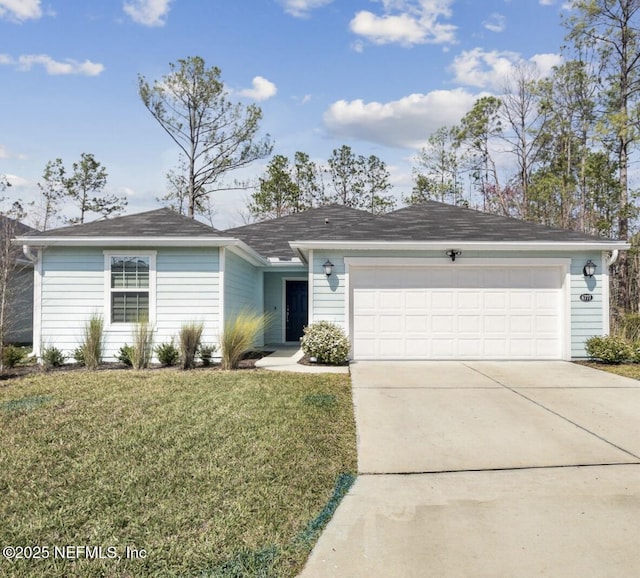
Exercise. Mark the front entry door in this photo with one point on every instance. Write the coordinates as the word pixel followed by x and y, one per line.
pixel 297 309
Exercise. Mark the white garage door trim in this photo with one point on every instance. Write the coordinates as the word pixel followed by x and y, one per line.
pixel 385 266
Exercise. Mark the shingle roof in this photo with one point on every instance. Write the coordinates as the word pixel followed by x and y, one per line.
pixel 428 221
pixel 157 223
pixel 271 238
pixel 433 221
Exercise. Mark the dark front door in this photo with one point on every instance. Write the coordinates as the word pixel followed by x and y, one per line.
pixel 296 314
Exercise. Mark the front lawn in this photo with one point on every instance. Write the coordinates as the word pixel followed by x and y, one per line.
pixel 170 473
pixel 625 369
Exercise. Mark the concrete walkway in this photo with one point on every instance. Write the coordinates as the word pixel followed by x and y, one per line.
pixel 286 359
pixel 502 469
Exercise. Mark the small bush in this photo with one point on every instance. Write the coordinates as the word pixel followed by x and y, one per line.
pixel 609 349
pixel 190 335
pixel 93 342
pixel 53 357
pixel 78 355
pixel 124 355
pixel 142 349
pixel 168 354
pixel 206 353
pixel 326 342
pixel 240 333
pixel 12 355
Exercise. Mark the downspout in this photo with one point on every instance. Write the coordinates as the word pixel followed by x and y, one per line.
pixel 29 254
pixel 37 296
pixel 613 257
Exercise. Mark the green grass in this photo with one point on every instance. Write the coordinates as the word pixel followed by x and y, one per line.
pixel 213 473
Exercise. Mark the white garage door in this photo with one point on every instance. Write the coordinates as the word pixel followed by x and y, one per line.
pixel 456 312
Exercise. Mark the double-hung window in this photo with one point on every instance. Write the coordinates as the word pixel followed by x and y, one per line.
pixel 130 279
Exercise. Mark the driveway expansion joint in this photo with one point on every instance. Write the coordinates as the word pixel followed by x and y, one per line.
pixel 542 406
pixel 505 469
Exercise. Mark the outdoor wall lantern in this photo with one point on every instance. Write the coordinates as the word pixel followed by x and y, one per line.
pixel 328 268
pixel 453 254
pixel 589 268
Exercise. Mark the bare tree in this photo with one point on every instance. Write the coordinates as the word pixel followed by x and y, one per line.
pixel 215 136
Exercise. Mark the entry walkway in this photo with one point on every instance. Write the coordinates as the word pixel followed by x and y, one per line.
pixel 286 359
pixel 497 469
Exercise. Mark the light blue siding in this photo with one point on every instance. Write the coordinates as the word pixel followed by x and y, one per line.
pixel 242 288
pixel 73 289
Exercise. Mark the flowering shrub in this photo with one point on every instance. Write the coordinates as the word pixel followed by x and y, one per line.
pixel 609 349
pixel 326 342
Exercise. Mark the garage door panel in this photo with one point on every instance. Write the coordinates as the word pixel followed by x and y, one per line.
pixel 469 324
pixel 457 313
pixel 442 300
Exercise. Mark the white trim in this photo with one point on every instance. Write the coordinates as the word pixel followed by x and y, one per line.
pixel 107 287
pixel 284 305
pixel 605 280
pixel 301 246
pixel 37 306
pixel 347 302
pixel 310 315
pixel 133 243
pixel 563 264
pixel 221 289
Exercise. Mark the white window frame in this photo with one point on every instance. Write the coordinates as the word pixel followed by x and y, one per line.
pixel 108 255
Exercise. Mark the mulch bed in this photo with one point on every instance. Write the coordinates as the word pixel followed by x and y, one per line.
pixel 249 362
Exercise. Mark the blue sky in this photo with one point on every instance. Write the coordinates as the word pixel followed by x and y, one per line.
pixel 377 75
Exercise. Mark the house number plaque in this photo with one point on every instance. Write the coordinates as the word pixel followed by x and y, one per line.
pixel 586 297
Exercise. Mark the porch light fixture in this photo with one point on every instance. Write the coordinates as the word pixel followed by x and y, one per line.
pixel 453 253
pixel 328 268
pixel 589 268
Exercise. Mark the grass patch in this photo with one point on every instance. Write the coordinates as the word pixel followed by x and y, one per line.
pixel 212 473
pixel 625 369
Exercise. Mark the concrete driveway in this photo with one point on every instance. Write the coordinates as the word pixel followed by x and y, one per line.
pixel 489 469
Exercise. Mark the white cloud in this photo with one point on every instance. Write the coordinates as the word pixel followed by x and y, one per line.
pixel 495 23
pixel 55 67
pixel 302 8
pixel 147 12
pixel 490 69
pixel 407 122
pixel 20 10
pixel 262 89
pixel 406 22
pixel 547 2
pixel 5 153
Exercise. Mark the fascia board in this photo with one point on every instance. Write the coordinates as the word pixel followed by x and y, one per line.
pixel 125 241
pixel 302 246
pixel 239 247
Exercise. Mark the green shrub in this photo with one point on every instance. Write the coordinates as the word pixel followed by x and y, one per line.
pixel 52 357
pixel 168 354
pixel 206 353
pixel 124 355
pixel 239 335
pixel 142 349
pixel 93 342
pixel 12 355
pixel 326 342
pixel 78 355
pixel 609 349
pixel 190 335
